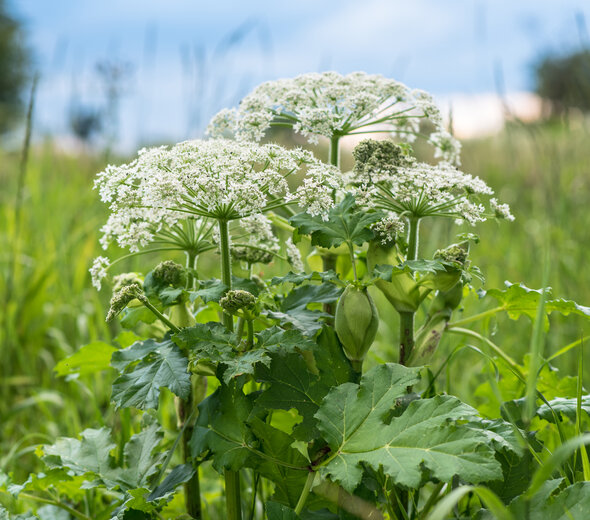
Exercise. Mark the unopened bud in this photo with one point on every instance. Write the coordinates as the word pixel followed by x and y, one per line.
pixel 237 300
pixel 356 322
pixel 170 273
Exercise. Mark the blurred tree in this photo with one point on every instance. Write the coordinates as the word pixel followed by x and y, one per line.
pixel 14 67
pixel 564 82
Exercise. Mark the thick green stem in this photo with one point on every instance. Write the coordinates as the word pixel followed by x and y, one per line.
pixel 158 314
pixel 329 260
pixel 413 232
pixel 232 478
pixel 305 492
pixel 192 488
pixel 352 260
pixel 357 366
pixel 250 340
pixel 335 150
pixel 224 250
pixel 406 319
pixel 406 336
pixel 232 495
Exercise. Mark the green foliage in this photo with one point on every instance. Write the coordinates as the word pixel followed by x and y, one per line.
pixel 345 224
pixel 517 300
pixel 162 365
pixel 421 442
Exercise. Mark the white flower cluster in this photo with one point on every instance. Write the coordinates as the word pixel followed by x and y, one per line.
pixel 98 271
pixel 388 228
pixel 219 178
pixel 423 190
pixel 446 147
pixel 501 211
pixel 329 104
pixel 294 256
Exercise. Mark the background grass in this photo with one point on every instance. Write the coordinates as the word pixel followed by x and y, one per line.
pixel 50 309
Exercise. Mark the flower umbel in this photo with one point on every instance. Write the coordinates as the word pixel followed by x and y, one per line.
pixel 329 104
pixel 218 179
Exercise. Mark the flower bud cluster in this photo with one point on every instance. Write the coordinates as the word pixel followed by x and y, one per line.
pixel 122 298
pixel 237 300
pixel 170 273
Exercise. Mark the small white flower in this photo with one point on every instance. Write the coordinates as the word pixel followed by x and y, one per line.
pixel 294 256
pixel 99 270
pixel 388 228
pixel 501 210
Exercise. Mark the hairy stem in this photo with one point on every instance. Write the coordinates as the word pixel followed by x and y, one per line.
pixel 228 321
pixel 232 478
pixel 406 319
pixel 158 314
pixel 192 488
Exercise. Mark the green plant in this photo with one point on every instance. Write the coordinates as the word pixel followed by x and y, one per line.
pixel 269 385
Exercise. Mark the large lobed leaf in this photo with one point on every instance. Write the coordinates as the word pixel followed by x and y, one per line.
pixel 517 299
pixel 424 441
pixel 161 364
pixel 301 382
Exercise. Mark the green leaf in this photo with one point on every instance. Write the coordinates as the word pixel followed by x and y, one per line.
pixel 212 290
pixel 179 475
pixel 422 442
pixel 345 223
pixel 91 358
pixel 276 511
pixel 562 406
pixel 293 308
pixel 163 365
pixel 517 299
pixel 212 342
pixel 277 445
pixel 299 278
pixel 573 503
pixel 132 316
pixel 90 456
pixel 142 459
pixel 207 342
pixel 221 429
pixel 300 382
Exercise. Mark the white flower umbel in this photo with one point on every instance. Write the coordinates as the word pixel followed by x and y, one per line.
pixel 501 211
pixel 331 105
pixel 387 179
pixel 219 179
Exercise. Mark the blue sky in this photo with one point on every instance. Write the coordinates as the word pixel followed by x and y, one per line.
pixel 185 66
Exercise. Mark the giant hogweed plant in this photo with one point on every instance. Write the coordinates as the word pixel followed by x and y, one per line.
pixel 268 376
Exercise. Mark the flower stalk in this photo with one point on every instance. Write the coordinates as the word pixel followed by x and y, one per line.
pixel 232 478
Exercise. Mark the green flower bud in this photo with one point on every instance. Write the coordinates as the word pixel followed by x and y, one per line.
pixel 237 300
pixel 170 273
pixel 356 322
pixel 122 298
